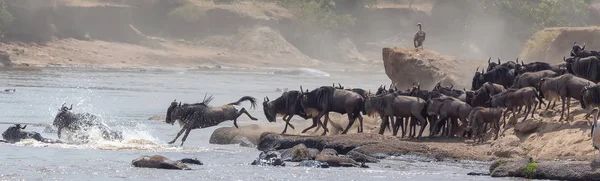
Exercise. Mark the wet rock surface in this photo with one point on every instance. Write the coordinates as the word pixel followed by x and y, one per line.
pixel 553 170
pixel 313 164
pixel 269 158
pixel 366 147
pixel 161 162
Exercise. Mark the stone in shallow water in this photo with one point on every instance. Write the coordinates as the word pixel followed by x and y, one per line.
pixel 269 158
pixel 313 164
pixel 157 161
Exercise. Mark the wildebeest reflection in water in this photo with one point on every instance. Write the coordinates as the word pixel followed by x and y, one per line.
pixel 82 122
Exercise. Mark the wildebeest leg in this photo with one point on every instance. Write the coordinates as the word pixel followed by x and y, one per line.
pixel 59 130
pixel 527 110
pixel 438 125
pixel 350 123
pixel 287 122
pixel 384 123
pixel 187 132
pixel 548 105
pixel 554 104
pixel 399 124
pixel 178 134
pixel 496 125
pixel 315 122
pixel 423 122
pixel 535 106
pixel 243 110
pixel 562 111
pixel 568 108
pixel 360 119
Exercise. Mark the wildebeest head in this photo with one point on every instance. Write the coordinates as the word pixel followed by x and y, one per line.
pixel 269 110
pixel 174 107
pixel 492 65
pixel 381 90
pixel 477 78
pixel 64 117
pixel 576 49
pixel 14 133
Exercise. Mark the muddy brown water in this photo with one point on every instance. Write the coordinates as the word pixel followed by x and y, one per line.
pixel 125 99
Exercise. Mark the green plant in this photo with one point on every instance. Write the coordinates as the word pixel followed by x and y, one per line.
pixel 5 18
pixel 546 13
pixel 318 13
pixel 188 12
pixel 529 171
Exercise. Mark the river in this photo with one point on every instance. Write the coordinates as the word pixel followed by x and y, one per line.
pixel 125 99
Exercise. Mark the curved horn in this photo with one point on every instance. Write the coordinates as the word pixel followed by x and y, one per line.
pixel 564 59
pixel 583 48
pixel 63 105
pixel 384 87
pixel 23 127
pixel 301 91
pixel 518 60
pixel 174 100
pixel 451 86
pixel 522 63
pixel 489 60
pixel 71 107
pixel 476 70
pixel 340 85
pixel 499 61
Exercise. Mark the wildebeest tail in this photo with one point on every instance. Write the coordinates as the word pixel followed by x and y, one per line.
pixel 246 98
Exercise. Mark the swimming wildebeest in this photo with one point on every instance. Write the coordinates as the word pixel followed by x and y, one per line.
pixel 501 75
pixel 16 133
pixel 481 116
pixel 449 108
pixel 158 161
pixel 393 105
pixel 564 87
pixel 74 122
pixel 514 98
pixel 288 105
pixel 201 115
pixel 586 68
pixel 327 99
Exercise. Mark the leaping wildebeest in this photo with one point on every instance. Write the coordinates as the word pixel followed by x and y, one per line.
pixel 327 99
pixel 16 133
pixel 201 115
pixel 564 87
pixel 73 122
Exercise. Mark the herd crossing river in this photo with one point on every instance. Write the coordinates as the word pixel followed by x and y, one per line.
pixel 124 99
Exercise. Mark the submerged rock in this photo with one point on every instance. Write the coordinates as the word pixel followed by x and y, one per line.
pixel 158 161
pixel 297 153
pixel 269 158
pixel 242 141
pixel 360 157
pixel 313 164
pixel 552 170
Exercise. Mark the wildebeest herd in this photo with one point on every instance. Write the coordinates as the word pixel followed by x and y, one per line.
pixel 499 89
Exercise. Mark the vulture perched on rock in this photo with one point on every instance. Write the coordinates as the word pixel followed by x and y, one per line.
pixel 419 37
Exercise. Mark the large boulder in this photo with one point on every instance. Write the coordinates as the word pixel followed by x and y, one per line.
pixel 552 170
pixel 404 66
